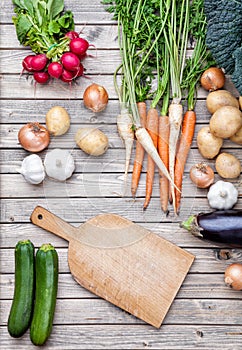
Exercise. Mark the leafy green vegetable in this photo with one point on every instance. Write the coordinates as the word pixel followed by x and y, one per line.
pixel 153 36
pixel 139 31
pixel 42 24
pixel 224 35
pixel 237 73
pixel 201 58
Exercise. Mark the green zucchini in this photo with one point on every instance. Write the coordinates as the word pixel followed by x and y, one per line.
pixel 46 263
pixel 22 305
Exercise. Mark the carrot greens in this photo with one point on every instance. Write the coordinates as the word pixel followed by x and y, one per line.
pixel 154 36
pixel 201 58
pixel 137 24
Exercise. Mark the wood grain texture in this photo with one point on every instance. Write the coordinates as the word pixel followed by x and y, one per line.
pixel 100 184
pixel 16 112
pixel 16 210
pixel 122 262
pixel 207 286
pixel 205 314
pixel 208 259
pixel 12 232
pixel 99 311
pixel 112 162
pixel 188 337
pixel 9 137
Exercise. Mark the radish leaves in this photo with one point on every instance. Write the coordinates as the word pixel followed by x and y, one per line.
pixel 41 24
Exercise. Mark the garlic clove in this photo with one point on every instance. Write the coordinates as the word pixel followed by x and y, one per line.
pixel 32 169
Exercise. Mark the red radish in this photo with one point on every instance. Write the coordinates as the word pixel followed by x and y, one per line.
pixel 55 70
pixel 39 62
pixel 82 57
pixel 26 63
pixel 41 77
pixel 70 61
pixel 80 71
pixel 72 34
pixel 67 76
pixel 79 46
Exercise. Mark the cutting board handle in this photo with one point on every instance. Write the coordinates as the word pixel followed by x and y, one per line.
pixel 52 223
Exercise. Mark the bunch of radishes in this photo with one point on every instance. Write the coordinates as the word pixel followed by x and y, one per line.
pixel 66 66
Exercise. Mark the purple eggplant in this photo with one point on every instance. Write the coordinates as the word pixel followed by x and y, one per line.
pixel 218 226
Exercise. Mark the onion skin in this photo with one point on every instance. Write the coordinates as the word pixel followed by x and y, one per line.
pixel 223 226
pixel 95 98
pixel 212 79
pixel 202 175
pixel 233 276
pixel 34 137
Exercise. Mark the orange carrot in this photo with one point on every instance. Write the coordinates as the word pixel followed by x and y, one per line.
pixel 184 146
pixel 163 150
pixel 140 152
pixel 152 128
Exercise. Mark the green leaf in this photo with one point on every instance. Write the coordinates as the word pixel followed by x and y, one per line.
pixel 24 5
pixel 23 25
pixel 54 8
pixel 41 13
pixel 53 27
pixel 66 21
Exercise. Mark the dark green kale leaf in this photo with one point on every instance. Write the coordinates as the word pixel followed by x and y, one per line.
pixel 224 36
pixel 224 30
pixel 237 74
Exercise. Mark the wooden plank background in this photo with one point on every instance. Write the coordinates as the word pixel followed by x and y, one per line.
pixel 205 314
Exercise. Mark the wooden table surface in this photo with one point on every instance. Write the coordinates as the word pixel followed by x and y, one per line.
pixel 205 313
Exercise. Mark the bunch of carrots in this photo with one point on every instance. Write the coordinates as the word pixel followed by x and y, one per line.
pixel 153 38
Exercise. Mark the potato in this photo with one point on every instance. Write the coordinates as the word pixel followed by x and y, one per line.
pixel 208 144
pixel 237 137
pixel 240 102
pixel 219 98
pixel 57 121
pixel 228 166
pixel 225 122
pixel 92 141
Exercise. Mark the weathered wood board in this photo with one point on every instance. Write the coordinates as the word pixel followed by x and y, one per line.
pixel 205 313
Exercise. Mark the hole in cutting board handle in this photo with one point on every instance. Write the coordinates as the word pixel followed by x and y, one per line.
pixel 40 216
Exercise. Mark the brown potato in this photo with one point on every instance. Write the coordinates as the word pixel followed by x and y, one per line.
pixel 225 122
pixel 92 141
pixel 57 120
pixel 219 98
pixel 208 144
pixel 237 137
pixel 228 166
pixel 240 102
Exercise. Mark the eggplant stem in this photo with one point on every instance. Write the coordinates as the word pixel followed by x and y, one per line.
pixel 191 225
pixel 188 223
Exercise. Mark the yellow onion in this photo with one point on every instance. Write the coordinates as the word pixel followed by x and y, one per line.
pixel 202 175
pixel 95 98
pixel 34 137
pixel 212 79
pixel 233 276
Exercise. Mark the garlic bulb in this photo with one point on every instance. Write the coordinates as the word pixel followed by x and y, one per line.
pixel 59 164
pixel 222 195
pixel 32 169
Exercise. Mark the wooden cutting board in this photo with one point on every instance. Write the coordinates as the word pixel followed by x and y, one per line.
pixel 122 262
